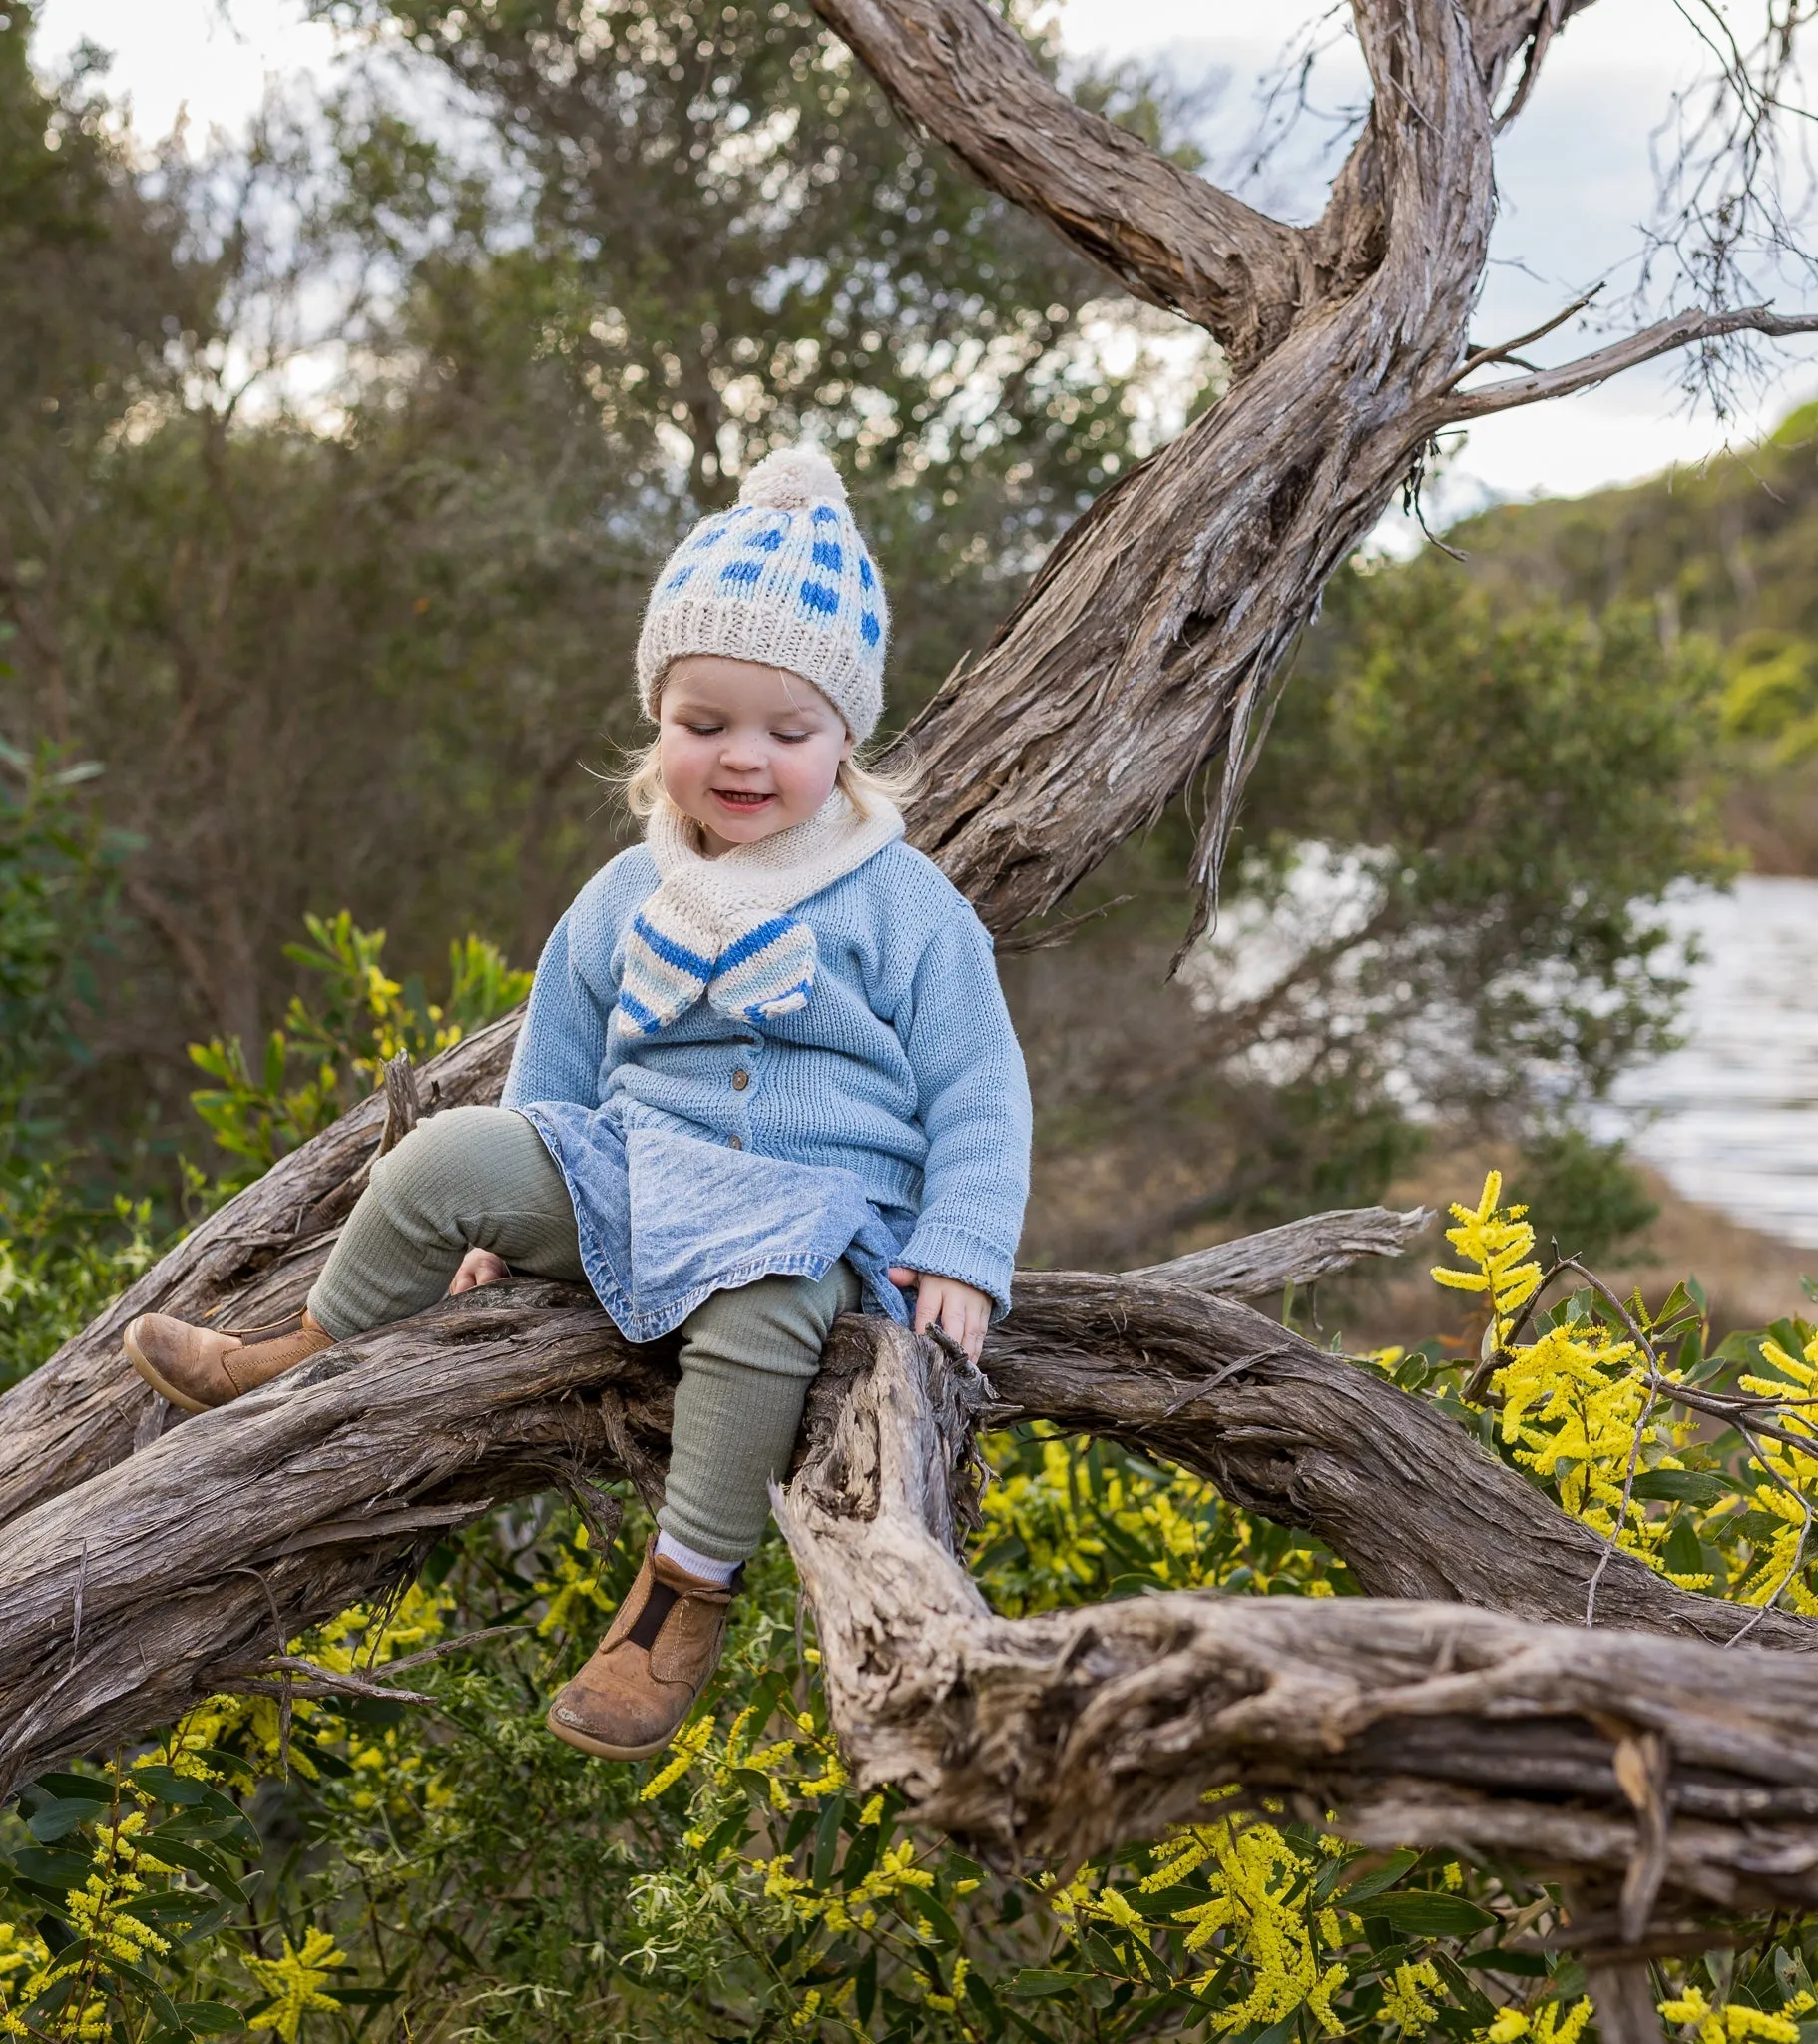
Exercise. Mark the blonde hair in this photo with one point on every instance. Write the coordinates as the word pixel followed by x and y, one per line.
pixel 641 786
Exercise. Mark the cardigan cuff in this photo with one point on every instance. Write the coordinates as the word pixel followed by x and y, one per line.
pixel 940 1250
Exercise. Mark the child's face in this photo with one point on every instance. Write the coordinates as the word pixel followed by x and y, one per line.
pixel 745 750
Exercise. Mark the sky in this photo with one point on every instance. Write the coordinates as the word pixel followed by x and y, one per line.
pixel 1574 177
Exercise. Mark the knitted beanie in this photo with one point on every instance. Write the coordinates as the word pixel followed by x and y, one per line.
pixel 782 578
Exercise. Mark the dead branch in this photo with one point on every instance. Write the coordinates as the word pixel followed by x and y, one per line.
pixel 205 1555
pixel 1315 1441
pixel 1148 642
pixel 250 1265
pixel 1297 1252
pixel 1685 329
pixel 1055 1736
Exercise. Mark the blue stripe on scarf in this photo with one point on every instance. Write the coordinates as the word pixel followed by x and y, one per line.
pixel 777 1004
pixel 753 941
pixel 673 953
pixel 633 1007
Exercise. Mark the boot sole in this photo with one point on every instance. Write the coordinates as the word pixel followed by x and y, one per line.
pixel 161 1384
pixel 598 1748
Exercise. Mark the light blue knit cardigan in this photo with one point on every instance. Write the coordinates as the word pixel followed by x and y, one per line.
pixel 903 1066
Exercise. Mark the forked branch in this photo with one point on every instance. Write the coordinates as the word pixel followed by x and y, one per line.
pixel 960 71
pixel 188 1567
pixel 1072 1733
pixel 1684 329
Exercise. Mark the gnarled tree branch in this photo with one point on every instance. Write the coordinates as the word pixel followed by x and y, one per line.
pixel 241 1525
pixel 1055 1736
pixel 1168 237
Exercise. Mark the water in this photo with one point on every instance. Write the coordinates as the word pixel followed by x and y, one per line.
pixel 1731 1120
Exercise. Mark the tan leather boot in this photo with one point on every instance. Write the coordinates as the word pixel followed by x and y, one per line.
pixel 200 1367
pixel 641 1681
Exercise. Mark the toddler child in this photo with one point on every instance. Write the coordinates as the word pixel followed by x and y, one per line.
pixel 766 1077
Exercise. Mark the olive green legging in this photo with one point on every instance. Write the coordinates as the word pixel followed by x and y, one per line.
pixel 480 1177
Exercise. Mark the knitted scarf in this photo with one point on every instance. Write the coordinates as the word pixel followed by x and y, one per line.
pixel 721 927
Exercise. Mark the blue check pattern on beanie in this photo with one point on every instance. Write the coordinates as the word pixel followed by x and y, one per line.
pixel 782 578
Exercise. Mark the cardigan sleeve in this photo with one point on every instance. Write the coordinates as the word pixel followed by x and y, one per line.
pixel 562 1045
pixel 974 1110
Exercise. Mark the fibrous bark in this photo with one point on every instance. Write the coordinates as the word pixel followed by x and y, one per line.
pixel 186 1568
pixel 250 1263
pixel 1417 1723
pixel 1151 638
pixel 330 1471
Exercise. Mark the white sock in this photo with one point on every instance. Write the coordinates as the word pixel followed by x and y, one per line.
pixel 702 1565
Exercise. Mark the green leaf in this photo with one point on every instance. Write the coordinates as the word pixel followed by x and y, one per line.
pixel 1416 1914
pixel 75 1789
pixel 755 1785
pixel 162 2007
pixel 195 1861
pixel 1373 1883
pixel 1520 1965
pixel 1679 1301
pixel 727 1836
pixel 53 1820
pixel 1161 1903
pixel 233 1818
pixel 1763 1528
pixel 213 2017
pixel 826 1840
pixel 169 1786
pixel 1035 1981
pixel 207 1923
pixel 61 1871
pixel 1683 1552
pixel 1700 1487
pixel 861 1855
pixel 1105 1959
pixel 224 1762
pixel 1464 1989
pixel 945 1931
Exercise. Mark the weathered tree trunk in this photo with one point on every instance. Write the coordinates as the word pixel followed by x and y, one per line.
pixel 250 1263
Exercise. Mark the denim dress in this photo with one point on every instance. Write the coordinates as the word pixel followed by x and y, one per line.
pixel 886 1122
pixel 666 1217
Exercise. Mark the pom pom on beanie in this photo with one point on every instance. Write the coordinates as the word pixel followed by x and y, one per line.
pixel 794 478
pixel 784 579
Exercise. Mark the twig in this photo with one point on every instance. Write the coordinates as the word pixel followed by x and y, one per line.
pixel 1684 329
pixel 81 1581
pixel 1504 351
pixel 284 1709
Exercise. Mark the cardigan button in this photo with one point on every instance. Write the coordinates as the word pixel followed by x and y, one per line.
pixel 734 1143
pixel 740 1080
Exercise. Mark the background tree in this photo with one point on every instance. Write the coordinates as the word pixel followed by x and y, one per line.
pixel 362 577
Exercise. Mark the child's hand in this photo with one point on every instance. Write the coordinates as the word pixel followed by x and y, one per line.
pixel 478 1266
pixel 959 1310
